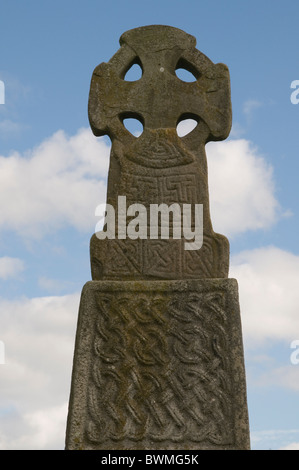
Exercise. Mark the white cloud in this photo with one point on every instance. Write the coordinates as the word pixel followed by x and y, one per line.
pixel 285 376
pixel 273 439
pixel 58 183
pixel 292 446
pixel 269 295
pixel 39 338
pixel 10 267
pixel 41 429
pixel 54 286
pixel 241 186
pixel 7 126
pixel 237 131
pixel 250 106
pixel 44 425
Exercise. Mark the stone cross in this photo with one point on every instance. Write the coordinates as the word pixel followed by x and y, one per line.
pixel 158 361
pixel 159 166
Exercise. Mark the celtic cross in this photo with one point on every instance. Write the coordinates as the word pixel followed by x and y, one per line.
pixel 159 166
pixel 158 361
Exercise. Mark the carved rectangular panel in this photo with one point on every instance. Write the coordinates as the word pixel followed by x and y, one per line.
pixel 170 188
pixel 158 365
pixel 155 259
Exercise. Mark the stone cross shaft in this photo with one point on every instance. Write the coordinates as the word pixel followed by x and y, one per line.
pixel 159 166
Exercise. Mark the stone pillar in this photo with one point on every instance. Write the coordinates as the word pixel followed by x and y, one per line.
pixel 158 360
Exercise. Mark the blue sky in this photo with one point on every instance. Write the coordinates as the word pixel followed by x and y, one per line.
pixel 53 174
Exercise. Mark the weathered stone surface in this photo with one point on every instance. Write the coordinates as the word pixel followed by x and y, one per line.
pixel 159 365
pixel 158 360
pixel 159 166
pixel 157 259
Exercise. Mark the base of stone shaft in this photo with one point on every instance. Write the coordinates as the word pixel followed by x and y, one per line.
pixel 158 365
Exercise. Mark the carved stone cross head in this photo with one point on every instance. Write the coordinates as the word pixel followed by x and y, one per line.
pixel 159 166
pixel 159 99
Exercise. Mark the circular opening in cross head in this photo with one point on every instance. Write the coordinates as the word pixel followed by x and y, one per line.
pixel 186 71
pixel 186 124
pixel 134 71
pixel 133 123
